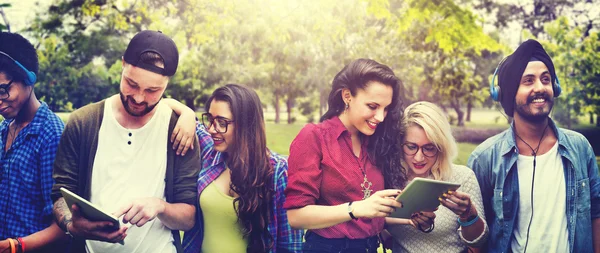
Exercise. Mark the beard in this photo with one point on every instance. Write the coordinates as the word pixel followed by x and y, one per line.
pixel 128 99
pixel 524 109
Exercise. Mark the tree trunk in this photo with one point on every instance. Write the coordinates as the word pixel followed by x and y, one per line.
pixel 289 104
pixel 459 113
pixel 469 107
pixel 276 105
pixel 591 118
pixel 598 119
pixel 190 103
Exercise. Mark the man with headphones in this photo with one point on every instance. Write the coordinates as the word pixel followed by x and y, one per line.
pixel 539 183
pixel 29 137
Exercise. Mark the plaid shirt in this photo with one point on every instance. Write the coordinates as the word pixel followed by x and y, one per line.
pixel 26 176
pixel 213 164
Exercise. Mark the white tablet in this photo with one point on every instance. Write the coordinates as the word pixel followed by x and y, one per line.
pixel 88 210
pixel 421 195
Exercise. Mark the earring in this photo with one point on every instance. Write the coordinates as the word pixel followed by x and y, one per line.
pixel 347 106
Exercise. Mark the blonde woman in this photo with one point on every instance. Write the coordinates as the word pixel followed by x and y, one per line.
pixel 429 149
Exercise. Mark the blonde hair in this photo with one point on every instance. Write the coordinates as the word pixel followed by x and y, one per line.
pixel 434 122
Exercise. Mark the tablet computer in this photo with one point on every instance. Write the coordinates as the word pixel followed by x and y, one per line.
pixel 421 195
pixel 88 210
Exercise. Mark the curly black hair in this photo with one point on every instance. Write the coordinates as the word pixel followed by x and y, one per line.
pixel 22 51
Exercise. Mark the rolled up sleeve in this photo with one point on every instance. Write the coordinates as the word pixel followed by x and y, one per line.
pixel 304 169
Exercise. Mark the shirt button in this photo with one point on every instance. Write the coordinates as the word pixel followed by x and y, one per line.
pixel 500 194
pixel 129 142
pixel 129 134
pixel 583 184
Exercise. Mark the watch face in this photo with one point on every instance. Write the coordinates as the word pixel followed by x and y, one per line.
pixel 350 207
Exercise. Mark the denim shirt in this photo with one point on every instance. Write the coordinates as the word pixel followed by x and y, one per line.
pixel 495 165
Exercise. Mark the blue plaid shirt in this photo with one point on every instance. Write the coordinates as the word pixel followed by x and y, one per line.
pixel 26 176
pixel 285 238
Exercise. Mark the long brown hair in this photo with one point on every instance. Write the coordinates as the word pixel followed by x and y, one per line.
pixel 248 160
pixel 384 145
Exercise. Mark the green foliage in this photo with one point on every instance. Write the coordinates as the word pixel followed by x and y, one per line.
pixel 289 51
pixel 577 62
pixel 450 54
pixel 4 25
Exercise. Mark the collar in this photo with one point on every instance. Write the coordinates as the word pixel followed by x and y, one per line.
pixel 511 142
pixel 39 119
pixel 335 126
pixel 35 126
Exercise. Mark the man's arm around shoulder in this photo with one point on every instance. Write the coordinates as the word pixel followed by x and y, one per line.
pixel 181 214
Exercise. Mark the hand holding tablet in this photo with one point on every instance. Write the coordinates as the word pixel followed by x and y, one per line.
pixel 421 195
pixel 90 222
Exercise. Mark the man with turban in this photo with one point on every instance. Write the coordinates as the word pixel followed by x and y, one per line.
pixel 539 182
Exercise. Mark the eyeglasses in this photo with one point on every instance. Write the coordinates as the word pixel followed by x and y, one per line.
pixel 429 150
pixel 220 123
pixel 4 90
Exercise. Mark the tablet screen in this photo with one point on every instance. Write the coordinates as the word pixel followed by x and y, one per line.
pixel 421 195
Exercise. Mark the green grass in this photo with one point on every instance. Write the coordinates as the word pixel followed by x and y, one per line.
pixel 464 151
pixel 280 136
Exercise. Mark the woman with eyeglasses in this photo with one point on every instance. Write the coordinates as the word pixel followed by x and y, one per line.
pixel 429 149
pixel 241 183
pixel 340 167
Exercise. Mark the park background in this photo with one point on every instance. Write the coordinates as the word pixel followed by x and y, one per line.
pixel 444 51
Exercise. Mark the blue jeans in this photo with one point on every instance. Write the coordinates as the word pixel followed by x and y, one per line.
pixel 317 244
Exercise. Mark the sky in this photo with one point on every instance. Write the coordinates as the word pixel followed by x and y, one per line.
pixel 22 12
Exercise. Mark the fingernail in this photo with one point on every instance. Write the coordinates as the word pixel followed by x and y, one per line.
pixel 450 192
pixel 445 195
pixel 440 198
pixel 420 212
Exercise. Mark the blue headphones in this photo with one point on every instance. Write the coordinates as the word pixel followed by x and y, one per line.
pixel 495 89
pixel 30 77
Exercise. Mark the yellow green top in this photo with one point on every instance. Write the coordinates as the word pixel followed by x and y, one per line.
pixel 222 233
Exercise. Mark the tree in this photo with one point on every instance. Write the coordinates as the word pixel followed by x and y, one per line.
pixel 577 63
pixel 532 16
pixel 6 24
pixel 447 38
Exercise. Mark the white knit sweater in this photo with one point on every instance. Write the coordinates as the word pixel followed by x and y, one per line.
pixel 446 236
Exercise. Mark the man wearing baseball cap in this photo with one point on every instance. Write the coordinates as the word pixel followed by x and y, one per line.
pixel 115 154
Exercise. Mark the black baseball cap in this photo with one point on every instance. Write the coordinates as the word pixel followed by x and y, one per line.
pixel 157 42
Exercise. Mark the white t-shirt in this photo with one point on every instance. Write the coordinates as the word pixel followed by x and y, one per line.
pixel 548 232
pixel 131 164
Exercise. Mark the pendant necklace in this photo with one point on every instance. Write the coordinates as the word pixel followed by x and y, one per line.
pixel 366 184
